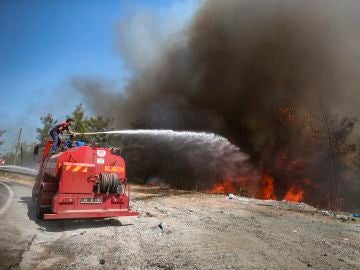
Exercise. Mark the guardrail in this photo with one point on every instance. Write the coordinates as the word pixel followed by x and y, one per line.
pixel 18 170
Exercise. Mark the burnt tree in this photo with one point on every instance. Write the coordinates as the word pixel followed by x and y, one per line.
pixel 332 132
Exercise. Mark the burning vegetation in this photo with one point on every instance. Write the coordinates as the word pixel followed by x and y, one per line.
pixel 275 77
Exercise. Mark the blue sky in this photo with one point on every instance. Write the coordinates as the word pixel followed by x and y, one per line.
pixel 44 43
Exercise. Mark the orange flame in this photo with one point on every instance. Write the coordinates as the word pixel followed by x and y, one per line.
pixel 266 191
pixel 294 195
pixel 268 187
pixel 224 187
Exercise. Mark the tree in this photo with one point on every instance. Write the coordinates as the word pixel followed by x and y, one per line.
pixel 48 122
pixel 26 156
pixel 98 124
pixel 332 134
pixel 81 124
pixel 288 151
pixel 1 133
pixel 93 124
pixel 356 157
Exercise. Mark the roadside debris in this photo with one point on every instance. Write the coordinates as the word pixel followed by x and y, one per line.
pixel 231 196
pixel 148 214
pixel 343 217
pixel 327 213
pixel 161 226
pixel 277 204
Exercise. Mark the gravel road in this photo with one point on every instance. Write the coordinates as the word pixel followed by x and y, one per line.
pixel 178 230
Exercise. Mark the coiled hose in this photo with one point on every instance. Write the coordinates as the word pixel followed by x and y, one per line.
pixel 109 183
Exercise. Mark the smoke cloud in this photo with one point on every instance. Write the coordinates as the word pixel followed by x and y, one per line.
pixel 235 64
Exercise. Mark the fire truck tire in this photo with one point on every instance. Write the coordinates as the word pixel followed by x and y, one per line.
pixel 39 210
pixel 33 195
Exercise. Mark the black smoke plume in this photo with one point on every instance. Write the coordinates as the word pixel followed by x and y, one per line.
pixel 240 61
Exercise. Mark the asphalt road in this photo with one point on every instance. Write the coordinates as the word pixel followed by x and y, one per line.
pixel 6 194
pixel 17 230
pixel 24 239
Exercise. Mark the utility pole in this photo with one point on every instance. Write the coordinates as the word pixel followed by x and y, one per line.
pixel 17 146
pixel 21 155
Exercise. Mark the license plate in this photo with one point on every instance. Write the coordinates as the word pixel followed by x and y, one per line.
pixel 91 200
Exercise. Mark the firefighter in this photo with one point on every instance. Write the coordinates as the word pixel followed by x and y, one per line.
pixel 59 129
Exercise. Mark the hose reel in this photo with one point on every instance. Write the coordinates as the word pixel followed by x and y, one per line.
pixel 109 183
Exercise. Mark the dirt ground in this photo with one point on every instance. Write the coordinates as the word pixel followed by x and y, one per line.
pixel 178 230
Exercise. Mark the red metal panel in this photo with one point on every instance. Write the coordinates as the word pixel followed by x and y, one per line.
pixel 76 178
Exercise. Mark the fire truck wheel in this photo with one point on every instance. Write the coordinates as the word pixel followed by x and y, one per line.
pixel 33 195
pixel 39 210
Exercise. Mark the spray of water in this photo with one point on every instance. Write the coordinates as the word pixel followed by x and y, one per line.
pixel 174 136
pixel 183 159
